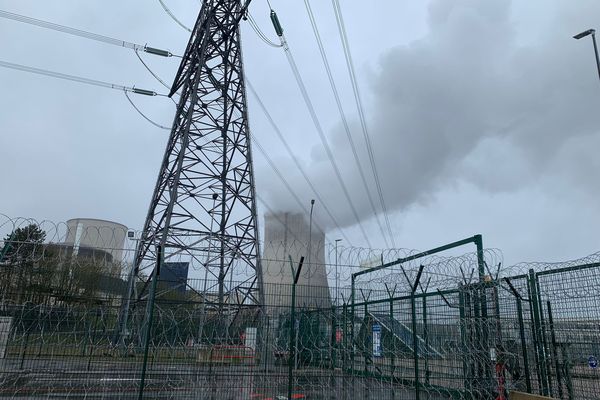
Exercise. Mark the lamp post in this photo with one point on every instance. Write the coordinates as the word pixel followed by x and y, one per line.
pixel 593 33
pixel 312 204
pixel 123 334
pixel 337 277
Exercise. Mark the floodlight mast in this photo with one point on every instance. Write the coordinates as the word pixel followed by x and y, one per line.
pixel 208 152
pixel 593 33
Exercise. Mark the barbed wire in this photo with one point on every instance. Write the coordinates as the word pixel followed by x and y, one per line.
pixel 457 333
pixel 333 264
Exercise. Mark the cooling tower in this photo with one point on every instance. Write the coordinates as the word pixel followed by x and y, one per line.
pixel 89 233
pixel 288 234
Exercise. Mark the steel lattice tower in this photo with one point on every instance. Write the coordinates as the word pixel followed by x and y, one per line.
pixel 203 209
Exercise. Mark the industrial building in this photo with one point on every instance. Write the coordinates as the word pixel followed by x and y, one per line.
pixel 174 276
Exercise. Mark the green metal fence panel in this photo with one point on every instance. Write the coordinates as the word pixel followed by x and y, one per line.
pixel 430 328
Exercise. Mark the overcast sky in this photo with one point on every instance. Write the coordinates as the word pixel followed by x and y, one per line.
pixel 484 117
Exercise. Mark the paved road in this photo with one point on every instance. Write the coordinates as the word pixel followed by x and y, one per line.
pixel 45 379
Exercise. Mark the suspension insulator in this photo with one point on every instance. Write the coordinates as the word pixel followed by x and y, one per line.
pixel 276 24
pixel 144 92
pixel 158 52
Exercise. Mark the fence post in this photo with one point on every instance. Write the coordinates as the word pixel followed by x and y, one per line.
pixel 333 337
pixel 547 361
pixel 413 288
pixel 426 338
pixel 567 370
pixel 24 345
pixel 365 348
pixel 537 333
pixel 85 344
pixel 523 344
pixel 483 322
pixel 352 301
pixel 43 320
pixel 344 335
pixel 463 336
pixel 554 351
pixel 392 341
pixel 415 344
pixel 476 340
pixel 149 316
pixel 292 349
pixel 333 352
pixel 91 341
pixel 345 347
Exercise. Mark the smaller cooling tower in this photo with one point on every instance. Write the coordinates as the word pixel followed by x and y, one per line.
pixel 287 234
pixel 96 234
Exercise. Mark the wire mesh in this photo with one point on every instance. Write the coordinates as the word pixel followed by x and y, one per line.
pixel 71 328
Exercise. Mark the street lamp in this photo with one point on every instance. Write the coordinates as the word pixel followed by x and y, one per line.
pixel 593 33
pixel 130 288
pixel 337 276
pixel 312 204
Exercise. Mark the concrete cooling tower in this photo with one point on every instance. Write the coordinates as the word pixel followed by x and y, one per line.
pixel 86 234
pixel 287 234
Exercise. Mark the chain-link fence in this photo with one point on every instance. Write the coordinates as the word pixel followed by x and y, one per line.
pixel 408 325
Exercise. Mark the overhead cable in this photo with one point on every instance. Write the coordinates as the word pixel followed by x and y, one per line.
pixel 295 159
pixel 363 121
pixel 317 124
pixel 161 81
pixel 282 178
pixel 150 71
pixel 343 115
pixel 79 79
pixel 84 34
pixel 260 33
pixel 168 11
pixel 144 115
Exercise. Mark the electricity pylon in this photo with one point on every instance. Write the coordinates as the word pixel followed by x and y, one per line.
pixel 203 209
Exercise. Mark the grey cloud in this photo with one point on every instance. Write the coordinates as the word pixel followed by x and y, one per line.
pixel 470 102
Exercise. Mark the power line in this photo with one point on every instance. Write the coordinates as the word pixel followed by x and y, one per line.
pixel 281 177
pixel 363 121
pixel 342 114
pixel 295 159
pixel 317 124
pixel 84 34
pixel 168 11
pixel 78 79
pixel 260 33
pixel 144 115
pixel 94 82
pixel 88 35
pixel 162 82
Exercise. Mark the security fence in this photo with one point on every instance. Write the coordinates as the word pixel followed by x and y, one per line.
pixel 412 325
